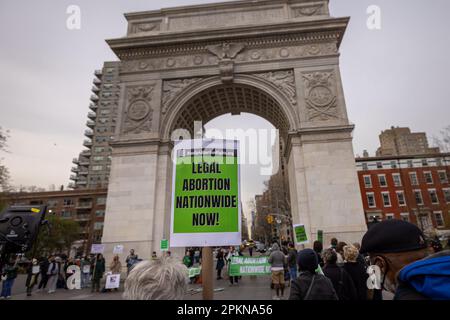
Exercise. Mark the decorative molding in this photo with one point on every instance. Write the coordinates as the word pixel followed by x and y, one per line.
pixel 172 88
pixel 284 80
pixel 308 11
pixel 145 27
pixel 321 97
pixel 226 52
pixel 139 112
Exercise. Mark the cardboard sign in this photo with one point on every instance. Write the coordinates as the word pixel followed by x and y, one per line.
pixel 249 266
pixel 86 268
pixel 206 207
pixel 97 248
pixel 112 281
pixel 164 245
pixel 300 234
pixel 118 249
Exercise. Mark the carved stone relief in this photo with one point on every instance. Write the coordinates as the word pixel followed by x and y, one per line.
pixel 139 112
pixel 252 55
pixel 172 88
pixel 146 27
pixel 284 80
pixel 321 96
pixel 308 10
pixel 226 53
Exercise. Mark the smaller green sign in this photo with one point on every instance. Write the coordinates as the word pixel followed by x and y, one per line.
pixel 194 272
pixel 164 245
pixel 320 236
pixel 300 234
pixel 249 266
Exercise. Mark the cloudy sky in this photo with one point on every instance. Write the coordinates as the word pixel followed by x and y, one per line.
pixel 394 76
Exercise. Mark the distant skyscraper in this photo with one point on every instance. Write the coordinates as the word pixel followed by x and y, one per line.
pixel 93 163
pixel 401 142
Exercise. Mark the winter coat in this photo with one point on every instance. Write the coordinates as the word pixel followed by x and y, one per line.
pixel 359 276
pixel 277 259
pixel 321 289
pixel 428 278
pixel 115 267
pixel 53 269
pixel 292 258
pixel 220 261
pixel 342 282
pixel 98 269
pixel 10 271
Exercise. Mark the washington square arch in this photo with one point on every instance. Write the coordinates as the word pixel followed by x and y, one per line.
pixel 278 59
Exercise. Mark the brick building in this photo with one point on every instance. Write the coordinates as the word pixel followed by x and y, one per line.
pixel 412 188
pixel 87 207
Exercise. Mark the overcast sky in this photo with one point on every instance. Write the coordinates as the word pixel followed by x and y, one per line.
pixel 394 76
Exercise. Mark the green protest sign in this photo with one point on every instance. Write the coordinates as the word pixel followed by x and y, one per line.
pixel 249 266
pixel 300 234
pixel 320 236
pixel 205 200
pixel 194 272
pixel 164 245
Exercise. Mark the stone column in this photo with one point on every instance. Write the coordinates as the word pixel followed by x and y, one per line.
pixel 324 186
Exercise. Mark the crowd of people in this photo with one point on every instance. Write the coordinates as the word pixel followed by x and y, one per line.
pixel 51 273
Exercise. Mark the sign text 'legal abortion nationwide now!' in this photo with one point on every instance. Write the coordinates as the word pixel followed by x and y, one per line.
pixel 206 207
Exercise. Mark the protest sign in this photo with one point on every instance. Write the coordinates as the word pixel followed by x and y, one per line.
pixel 249 266
pixel 300 234
pixel 112 281
pixel 118 249
pixel 164 245
pixel 194 272
pixel 206 208
pixel 97 248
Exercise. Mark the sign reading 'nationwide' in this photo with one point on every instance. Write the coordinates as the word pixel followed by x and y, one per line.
pixel 249 266
pixel 206 205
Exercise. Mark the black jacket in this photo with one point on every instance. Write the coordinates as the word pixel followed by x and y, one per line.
pixel 322 288
pixel 358 273
pixel 342 282
pixel 292 258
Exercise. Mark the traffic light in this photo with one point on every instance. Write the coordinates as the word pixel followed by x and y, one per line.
pixel 270 219
pixel 19 227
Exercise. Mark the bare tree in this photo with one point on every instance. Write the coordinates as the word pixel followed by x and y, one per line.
pixel 443 141
pixel 4 173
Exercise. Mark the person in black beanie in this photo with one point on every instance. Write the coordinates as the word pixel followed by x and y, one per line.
pixel 310 285
pixel 399 250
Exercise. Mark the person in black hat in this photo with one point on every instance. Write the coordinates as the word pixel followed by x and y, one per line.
pixel 398 248
pixel 310 285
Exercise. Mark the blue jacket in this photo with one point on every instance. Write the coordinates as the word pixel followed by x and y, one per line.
pixel 430 277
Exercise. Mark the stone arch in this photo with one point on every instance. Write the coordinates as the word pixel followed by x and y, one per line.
pixel 247 93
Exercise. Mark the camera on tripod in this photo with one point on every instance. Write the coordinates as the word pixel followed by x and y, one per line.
pixel 19 227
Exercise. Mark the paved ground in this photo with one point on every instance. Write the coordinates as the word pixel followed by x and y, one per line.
pixel 249 288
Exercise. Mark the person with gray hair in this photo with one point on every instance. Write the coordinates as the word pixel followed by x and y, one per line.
pixel 165 278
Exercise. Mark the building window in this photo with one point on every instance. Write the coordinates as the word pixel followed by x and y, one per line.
pixel 418 197
pixel 410 164
pixel 97 159
pixel 401 198
pixel 103 120
pixel 433 196
pixel 367 182
pixel 68 202
pixel 413 178
pixel 386 199
pixel 405 217
pixel 97 168
pixel 389 216
pixel 428 177
pixel 379 165
pixel 66 214
pixel 365 166
pixel 443 176
pixel 371 200
pixel 101 139
pixel 447 195
pixel 52 203
pixel 101 201
pixel 382 180
pixel 397 180
pixel 439 162
pixel 98 226
pixel 99 149
pixel 393 165
pixel 425 162
pixel 439 219
pixel 100 213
